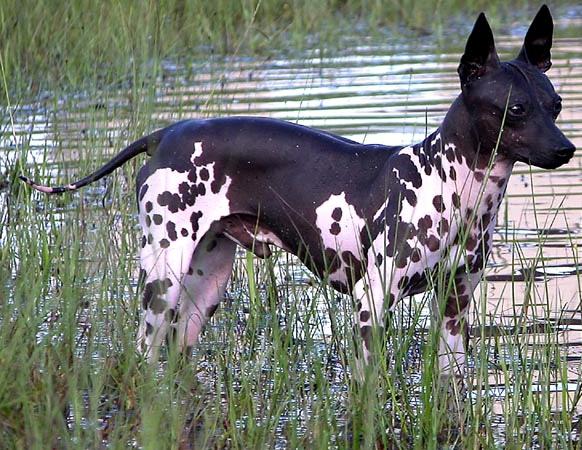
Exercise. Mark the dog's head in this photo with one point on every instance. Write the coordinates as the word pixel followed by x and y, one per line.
pixel 513 105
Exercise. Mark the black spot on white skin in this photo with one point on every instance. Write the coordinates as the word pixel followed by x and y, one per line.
pixel 456 304
pixel 217 183
pixel 149 329
pixel 355 267
pixel 152 295
pixel 148 221
pixel 364 316
pixel 454 326
pixel 424 224
pixel 149 206
pixel 150 238
pixel 411 198
pixel 459 155
pixel 335 228
pixel 183 188
pixel 157 219
pixel 379 259
pixel 184 232
pixel 171 200
pixel 366 334
pixel 336 214
pixel 433 243
pixel 456 200
pixel 194 218
pixel 438 203
pixel 417 283
pixel 164 243
pixel 389 221
pixel 439 167
pixel 402 282
pixel 401 259
pixel 332 260
pixel 204 174
pixel 443 227
pixel 489 201
pixel 171 229
pixel 415 255
pixel 143 241
pixel 189 193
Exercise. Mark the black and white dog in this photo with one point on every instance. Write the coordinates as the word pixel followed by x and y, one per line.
pixel 374 220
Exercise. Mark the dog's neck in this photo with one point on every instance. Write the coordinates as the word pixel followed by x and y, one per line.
pixel 456 164
pixel 458 129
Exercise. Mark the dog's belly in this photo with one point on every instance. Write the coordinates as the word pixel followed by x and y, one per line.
pixel 332 252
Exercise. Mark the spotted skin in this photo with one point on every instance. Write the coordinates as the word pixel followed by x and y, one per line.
pixel 375 221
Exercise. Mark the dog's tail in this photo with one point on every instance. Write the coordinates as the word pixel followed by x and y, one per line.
pixel 145 144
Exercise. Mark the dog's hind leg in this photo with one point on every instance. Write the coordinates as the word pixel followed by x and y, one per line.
pixel 165 270
pixel 203 287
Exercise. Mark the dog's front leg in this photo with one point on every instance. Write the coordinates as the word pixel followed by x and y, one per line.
pixel 371 304
pixel 450 314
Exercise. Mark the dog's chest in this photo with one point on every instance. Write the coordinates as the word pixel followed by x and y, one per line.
pixel 435 210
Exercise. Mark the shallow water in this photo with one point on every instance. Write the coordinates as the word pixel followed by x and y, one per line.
pixel 374 93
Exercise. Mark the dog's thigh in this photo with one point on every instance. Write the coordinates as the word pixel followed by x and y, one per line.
pixel 203 286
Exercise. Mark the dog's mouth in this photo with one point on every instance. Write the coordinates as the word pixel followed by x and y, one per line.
pixel 550 160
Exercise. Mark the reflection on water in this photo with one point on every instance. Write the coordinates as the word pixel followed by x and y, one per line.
pixel 391 94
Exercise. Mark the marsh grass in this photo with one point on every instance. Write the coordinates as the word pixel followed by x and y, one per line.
pixel 80 44
pixel 274 366
pixel 272 369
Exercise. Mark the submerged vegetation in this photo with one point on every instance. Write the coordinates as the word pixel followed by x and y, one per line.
pixel 273 369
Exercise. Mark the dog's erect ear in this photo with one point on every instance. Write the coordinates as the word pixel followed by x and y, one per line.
pixel 538 40
pixel 480 54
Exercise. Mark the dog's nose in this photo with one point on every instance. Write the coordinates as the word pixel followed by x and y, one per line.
pixel 566 152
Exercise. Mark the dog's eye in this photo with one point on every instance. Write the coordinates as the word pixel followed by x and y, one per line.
pixel 517 110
